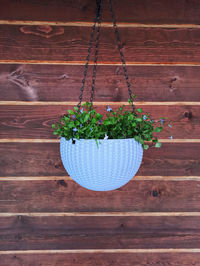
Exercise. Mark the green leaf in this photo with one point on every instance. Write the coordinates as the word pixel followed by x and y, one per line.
pixel 98 116
pixel 75 108
pixel 145 147
pixel 71 124
pixel 158 129
pixel 53 125
pixel 158 145
pixel 139 110
pixel 71 112
pixel 86 118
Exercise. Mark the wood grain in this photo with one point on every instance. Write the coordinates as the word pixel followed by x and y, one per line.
pixel 57 43
pixel 67 196
pixel 44 159
pixel 127 259
pixel 34 122
pixel 61 83
pixel 24 233
pixel 144 11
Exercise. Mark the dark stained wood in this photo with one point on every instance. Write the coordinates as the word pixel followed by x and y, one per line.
pixel 145 11
pixel 24 233
pixel 43 159
pixel 62 83
pixel 103 259
pixel 58 43
pixel 67 196
pixel 18 121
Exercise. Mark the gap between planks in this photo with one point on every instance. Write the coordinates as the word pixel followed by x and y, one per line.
pixel 80 251
pixel 98 103
pixel 68 178
pixel 16 140
pixel 103 24
pixel 74 63
pixel 99 214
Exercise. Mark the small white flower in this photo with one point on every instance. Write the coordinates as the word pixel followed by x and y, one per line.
pixel 106 137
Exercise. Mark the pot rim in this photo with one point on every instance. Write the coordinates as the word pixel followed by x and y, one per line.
pixel 99 139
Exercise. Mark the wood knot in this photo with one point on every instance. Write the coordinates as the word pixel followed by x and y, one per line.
pixel 45 31
pixel 155 193
pixel 44 28
pixel 171 87
pixel 188 114
pixel 62 183
pixel 58 165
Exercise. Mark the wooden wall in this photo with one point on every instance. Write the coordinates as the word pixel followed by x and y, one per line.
pixel 45 217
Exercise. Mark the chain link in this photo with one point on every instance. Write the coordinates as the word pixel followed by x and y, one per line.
pixel 119 44
pixel 96 56
pixel 98 20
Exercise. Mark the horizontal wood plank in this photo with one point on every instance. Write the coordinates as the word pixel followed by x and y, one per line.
pixel 24 233
pixel 35 159
pixel 44 159
pixel 57 43
pixel 127 11
pixel 61 83
pixel 67 196
pixel 34 122
pixel 104 259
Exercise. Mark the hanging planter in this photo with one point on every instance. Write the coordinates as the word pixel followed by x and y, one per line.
pixel 105 167
pixel 103 152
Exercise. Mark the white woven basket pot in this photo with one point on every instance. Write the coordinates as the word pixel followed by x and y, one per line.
pixel 107 166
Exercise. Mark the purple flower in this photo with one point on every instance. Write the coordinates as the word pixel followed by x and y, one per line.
pixel 170 137
pixel 109 109
pixel 144 117
pixel 73 116
pixel 75 129
pixel 81 125
pixel 81 110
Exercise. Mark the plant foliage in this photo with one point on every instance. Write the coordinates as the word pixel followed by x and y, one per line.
pixel 87 123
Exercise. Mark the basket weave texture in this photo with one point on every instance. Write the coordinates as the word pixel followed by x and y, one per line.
pixel 107 166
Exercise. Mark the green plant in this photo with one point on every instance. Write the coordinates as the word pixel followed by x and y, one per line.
pixel 86 123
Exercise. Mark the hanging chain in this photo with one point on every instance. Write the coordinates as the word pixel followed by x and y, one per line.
pixel 119 44
pixel 121 54
pixel 96 52
pixel 98 14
